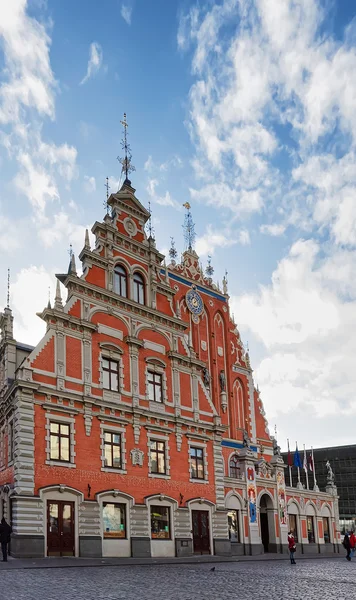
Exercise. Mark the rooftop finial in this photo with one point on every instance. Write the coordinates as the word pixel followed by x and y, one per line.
pixel 8 289
pixel 49 297
pixel 209 269
pixel 58 298
pixel 70 251
pixel 127 166
pixel 106 206
pixel 189 228
pixel 225 282
pixel 150 229
pixel 173 252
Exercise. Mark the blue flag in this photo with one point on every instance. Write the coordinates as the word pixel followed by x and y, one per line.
pixel 297 461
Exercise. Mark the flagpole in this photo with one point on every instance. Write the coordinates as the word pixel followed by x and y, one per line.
pixel 315 484
pixel 299 485
pixel 305 467
pixel 289 466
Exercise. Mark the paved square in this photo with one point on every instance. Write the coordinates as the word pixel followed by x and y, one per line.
pixel 321 579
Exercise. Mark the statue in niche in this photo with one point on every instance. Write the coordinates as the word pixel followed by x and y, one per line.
pixel 276 448
pixel 206 377
pixel 222 380
pixel 330 476
pixel 246 440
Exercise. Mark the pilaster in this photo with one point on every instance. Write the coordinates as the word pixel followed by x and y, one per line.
pixel 24 455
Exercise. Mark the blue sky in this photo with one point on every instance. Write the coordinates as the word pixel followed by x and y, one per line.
pixel 244 108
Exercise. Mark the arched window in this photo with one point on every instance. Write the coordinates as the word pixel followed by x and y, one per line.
pixel 120 281
pixel 234 467
pixel 139 288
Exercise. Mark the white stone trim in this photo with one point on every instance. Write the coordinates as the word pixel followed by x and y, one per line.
pixel 153 346
pixel 203 445
pixel 10 441
pixel 151 436
pixel 113 429
pixel 110 331
pixel 50 417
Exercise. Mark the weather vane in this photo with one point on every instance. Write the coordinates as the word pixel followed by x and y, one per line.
pixel 8 289
pixel 189 228
pixel 151 233
pixel 173 252
pixel 70 251
pixel 107 195
pixel 127 166
pixel 209 269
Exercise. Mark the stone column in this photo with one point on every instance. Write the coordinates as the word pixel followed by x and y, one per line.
pixel 278 464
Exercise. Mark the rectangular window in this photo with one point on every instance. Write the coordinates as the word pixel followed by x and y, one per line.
pixel 155 387
pixel 293 526
pixel 197 463
pixel 160 523
pixel 60 441
pixel 326 529
pixel 158 457
pixel 112 450
pixel 114 520
pixel 110 375
pixel 233 521
pixel 310 528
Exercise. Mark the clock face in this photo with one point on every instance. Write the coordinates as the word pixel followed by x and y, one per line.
pixel 194 302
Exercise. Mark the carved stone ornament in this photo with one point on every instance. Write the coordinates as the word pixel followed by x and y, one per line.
pixel 137 457
pixel 130 227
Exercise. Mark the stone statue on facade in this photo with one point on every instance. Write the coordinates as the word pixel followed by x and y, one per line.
pixel 276 448
pixel 246 440
pixel 330 475
pixel 222 380
pixel 206 377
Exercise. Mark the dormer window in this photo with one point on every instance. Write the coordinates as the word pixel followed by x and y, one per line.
pixel 120 281
pixel 139 288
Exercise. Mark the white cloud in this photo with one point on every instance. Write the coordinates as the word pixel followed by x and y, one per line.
pixel 274 230
pixel 95 61
pixel 244 237
pixel 212 240
pixel 165 200
pixel 126 13
pixel 89 184
pixel 28 78
pixel 61 228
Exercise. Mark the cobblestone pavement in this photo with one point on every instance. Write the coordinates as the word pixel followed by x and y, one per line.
pixel 322 579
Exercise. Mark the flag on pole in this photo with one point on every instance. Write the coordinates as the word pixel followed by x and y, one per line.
pixel 310 463
pixel 305 464
pixel 297 461
pixel 290 460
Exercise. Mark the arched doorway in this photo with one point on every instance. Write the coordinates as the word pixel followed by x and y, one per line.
pixel 268 537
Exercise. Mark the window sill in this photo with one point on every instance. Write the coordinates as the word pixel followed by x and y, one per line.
pixel 59 463
pixel 159 476
pixel 192 480
pixel 113 470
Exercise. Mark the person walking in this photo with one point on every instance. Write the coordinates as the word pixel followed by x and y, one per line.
pixel 5 533
pixel 352 540
pixel 292 547
pixel 346 544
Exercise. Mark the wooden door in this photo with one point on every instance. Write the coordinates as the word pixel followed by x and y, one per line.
pixel 201 534
pixel 60 528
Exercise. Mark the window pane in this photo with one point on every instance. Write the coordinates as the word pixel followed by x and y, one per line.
pixel 64 429
pixel 53 518
pixel 105 363
pixel 64 449
pixel 114 366
pixel 158 393
pixel 54 427
pixel 199 452
pixel 67 518
pixel 106 380
pixel 107 436
pixel 54 450
pixel 114 520
pixel 116 457
pixel 161 463
pixel 108 459
pixel 153 444
pixel 151 395
pixel 192 452
pixel 116 438
pixel 141 295
pixel 154 464
pixel 200 470
pixel 114 382
pixel 160 522
pixel 160 446
pixel 233 521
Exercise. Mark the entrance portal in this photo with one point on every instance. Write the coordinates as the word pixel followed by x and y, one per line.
pixel 201 533
pixel 267 522
pixel 60 528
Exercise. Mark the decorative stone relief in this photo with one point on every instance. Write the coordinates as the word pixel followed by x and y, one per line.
pixel 88 418
pixel 203 345
pixel 220 351
pixel 130 227
pixel 137 457
pixel 179 437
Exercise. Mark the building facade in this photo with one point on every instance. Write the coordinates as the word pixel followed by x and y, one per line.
pixel 342 460
pixel 133 428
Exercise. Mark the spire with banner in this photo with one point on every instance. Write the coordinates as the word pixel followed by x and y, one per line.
pixel 189 228
pixel 127 166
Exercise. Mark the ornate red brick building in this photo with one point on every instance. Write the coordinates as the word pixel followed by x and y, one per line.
pixel 134 428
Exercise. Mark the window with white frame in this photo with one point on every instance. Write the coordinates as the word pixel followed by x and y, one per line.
pixel 139 288
pixel 113 447
pixel 156 383
pixel 198 463
pixel 155 386
pixel 60 438
pixel 120 281
pixel 111 374
pixel 158 456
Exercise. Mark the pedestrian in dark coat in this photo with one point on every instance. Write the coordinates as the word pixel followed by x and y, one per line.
pixel 346 544
pixel 291 547
pixel 5 535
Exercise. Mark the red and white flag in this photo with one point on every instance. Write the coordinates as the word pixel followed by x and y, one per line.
pixel 305 464
pixel 310 462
